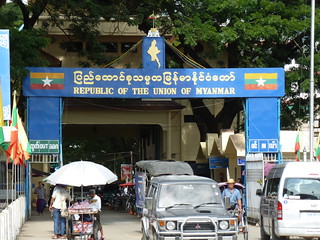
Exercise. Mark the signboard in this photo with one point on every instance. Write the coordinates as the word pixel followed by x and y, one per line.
pixel 155 83
pixel 241 161
pixel 44 146
pixel 153 52
pixel 140 180
pixel 263 145
pixel 218 162
pixel 5 73
pixel 126 172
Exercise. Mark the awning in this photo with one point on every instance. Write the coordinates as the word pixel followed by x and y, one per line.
pixel 122 104
pixel 235 146
pixel 157 167
pixel 38 173
pixel 202 153
pixel 216 149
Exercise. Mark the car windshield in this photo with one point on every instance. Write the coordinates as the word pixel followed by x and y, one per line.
pixel 302 188
pixel 188 194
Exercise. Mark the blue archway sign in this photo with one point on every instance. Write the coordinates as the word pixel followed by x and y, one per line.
pixel 262 88
pixel 155 83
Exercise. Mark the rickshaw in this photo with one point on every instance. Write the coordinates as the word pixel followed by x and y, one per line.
pixel 81 224
pixel 241 214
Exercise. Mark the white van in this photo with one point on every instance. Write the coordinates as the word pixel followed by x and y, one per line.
pixel 290 201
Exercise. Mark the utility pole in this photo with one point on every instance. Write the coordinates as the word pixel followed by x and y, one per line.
pixel 312 79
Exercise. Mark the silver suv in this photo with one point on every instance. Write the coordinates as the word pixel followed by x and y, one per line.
pixel 184 207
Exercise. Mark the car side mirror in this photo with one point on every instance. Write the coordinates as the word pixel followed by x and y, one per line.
pixel 259 192
pixel 149 201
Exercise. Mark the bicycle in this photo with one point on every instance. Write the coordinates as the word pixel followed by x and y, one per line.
pixel 242 221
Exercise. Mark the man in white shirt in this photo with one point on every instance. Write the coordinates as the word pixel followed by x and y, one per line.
pixel 95 201
pixel 58 203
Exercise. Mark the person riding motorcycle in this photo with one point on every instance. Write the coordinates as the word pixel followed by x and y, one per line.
pixel 234 195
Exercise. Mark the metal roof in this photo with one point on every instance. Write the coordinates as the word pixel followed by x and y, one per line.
pixel 122 104
pixel 178 179
pixel 157 167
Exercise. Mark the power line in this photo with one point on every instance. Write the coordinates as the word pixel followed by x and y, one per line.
pixel 123 56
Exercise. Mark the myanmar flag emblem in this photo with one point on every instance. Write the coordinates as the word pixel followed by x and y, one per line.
pixel 261 81
pixel 47 80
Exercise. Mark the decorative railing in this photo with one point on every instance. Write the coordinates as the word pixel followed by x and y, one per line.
pixel 12 218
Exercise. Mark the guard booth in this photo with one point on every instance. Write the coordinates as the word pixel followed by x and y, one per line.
pixel 46 90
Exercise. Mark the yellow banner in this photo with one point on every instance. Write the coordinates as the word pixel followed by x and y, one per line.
pixel 260 75
pixel 49 75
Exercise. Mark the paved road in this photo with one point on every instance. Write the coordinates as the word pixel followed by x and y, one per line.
pixel 116 225
pixel 121 226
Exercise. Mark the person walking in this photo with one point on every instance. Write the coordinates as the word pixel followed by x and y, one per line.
pixel 58 205
pixel 95 201
pixel 41 198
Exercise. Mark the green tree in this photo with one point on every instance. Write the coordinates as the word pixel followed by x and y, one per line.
pixel 254 33
pixel 110 152
pixel 25 45
pixel 263 33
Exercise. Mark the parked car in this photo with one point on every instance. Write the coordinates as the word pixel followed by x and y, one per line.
pixel 290 201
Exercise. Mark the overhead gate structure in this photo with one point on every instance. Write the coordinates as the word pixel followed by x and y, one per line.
pixel 261 88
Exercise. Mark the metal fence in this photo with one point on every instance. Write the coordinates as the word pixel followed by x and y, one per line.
pixel 12 183
pixel 255 180
pixel 254 174
pixel 12 198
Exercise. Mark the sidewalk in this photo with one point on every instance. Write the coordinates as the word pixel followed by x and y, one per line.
pixel 38 228
pixel 116 226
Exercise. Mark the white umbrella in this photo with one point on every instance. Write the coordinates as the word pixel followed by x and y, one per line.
pixel 82 173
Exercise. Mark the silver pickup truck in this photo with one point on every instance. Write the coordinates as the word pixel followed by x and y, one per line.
pixel 186 207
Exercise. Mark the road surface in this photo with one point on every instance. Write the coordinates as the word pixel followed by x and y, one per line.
pixel 117 226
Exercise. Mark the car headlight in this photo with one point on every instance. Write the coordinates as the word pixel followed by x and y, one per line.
pixel 223 225
pixel 170 225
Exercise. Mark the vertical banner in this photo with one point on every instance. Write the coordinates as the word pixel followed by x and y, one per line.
pixel 44 118
pixel 263 125
pixel 140 181
pixel 5 73
pixel 153 53
pixel 126 172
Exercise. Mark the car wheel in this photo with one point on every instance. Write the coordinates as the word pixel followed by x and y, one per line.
pixel 274 236
pixel 263 234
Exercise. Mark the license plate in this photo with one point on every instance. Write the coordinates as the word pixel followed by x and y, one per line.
pixel 227 238
pixel 312 231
